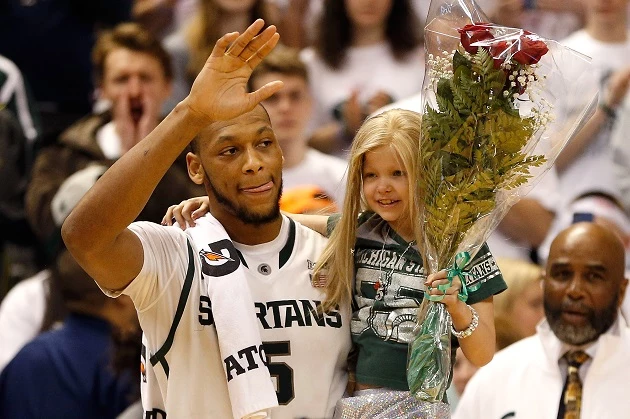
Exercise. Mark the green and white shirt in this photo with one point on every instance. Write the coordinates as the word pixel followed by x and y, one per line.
pixel 382 327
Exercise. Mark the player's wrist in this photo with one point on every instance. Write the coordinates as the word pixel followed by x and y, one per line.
pixel 192 114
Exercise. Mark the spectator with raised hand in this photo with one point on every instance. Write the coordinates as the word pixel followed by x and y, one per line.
pixel 366 55
pixel 134 74
pixel 586 163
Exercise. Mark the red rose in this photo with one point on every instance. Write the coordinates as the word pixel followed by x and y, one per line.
pixel 530 50
pixel 471 34
pixel 499 52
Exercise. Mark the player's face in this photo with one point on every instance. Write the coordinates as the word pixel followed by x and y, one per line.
pixel 386 187
pixel 289 109
pixel 242 163
pixel 137 77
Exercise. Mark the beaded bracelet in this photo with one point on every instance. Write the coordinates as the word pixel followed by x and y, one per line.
pixel 471 328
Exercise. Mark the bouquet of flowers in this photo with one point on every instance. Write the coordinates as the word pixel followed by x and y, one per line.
pixel 495 118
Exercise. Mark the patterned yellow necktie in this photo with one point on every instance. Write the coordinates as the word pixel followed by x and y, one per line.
pixel 571 402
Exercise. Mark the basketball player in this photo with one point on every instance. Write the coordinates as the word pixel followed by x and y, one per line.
pixel 237 158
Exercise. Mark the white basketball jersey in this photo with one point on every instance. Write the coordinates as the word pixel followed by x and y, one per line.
pixel 306 351
pixel 183 371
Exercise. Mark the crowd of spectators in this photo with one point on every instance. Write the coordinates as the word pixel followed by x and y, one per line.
pixel 82 84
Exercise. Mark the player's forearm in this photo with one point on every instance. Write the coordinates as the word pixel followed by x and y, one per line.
pixel 117 198
pixel 479 347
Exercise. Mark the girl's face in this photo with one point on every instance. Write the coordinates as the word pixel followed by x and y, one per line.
pixel 386 187
pixel 368 13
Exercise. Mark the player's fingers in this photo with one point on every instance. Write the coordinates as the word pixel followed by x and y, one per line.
pixel 265 92
pixel 259 41
pixel 222 44
pixel 265 47
pixel 242 41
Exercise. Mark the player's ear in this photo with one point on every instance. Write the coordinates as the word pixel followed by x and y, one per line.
pixel 195 168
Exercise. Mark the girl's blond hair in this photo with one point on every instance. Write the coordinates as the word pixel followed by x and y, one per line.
pixel 400 130
pixel 518 275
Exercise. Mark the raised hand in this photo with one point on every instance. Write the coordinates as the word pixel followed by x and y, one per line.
pixel 220 90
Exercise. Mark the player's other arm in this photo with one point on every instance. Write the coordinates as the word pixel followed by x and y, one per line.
pixel 96 231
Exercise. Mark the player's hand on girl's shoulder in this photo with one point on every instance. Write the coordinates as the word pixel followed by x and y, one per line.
pixel 186 212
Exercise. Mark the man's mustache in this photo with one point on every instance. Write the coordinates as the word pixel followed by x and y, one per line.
pixel 576 307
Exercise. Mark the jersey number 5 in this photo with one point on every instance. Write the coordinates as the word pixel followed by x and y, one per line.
pixel 281 370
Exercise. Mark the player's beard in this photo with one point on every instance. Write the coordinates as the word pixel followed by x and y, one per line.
pixel 599 321
pixel 243 213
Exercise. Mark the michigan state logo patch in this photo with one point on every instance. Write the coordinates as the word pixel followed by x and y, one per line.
pixel 220 259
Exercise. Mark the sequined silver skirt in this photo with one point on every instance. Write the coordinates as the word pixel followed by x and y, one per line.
pixel 381 403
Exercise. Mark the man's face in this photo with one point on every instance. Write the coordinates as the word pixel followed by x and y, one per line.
pixel 242 163
pixel 584 283
pixel 290 108
pixel 136 77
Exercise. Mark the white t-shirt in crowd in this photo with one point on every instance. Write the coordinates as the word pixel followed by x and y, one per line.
pixel 21 315
pixel 319 169
pixel 367 70
pixel 593 169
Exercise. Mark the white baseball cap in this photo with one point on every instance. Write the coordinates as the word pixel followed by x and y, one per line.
pixel 72 190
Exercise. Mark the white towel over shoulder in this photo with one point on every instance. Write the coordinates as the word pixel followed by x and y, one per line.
pixel 249 382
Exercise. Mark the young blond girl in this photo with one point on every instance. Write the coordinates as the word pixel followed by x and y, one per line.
pixel 373 260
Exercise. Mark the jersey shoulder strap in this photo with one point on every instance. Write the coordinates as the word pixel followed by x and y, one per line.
pixel 160 355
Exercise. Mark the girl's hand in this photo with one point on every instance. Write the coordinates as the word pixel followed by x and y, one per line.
pixel 186 212
pixel 450 295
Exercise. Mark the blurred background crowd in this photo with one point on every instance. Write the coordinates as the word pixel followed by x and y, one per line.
pixel 82 82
